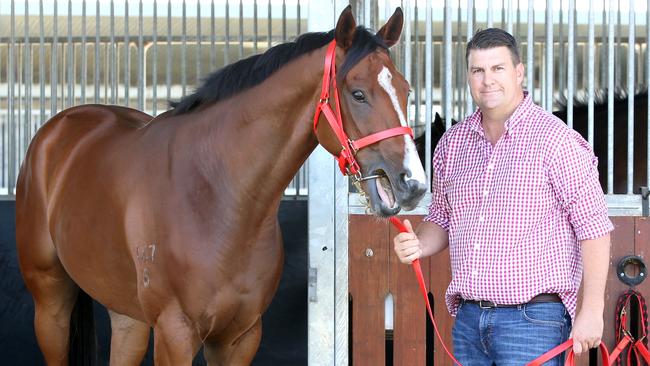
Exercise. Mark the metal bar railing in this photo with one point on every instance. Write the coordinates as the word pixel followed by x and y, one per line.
pixel 630 100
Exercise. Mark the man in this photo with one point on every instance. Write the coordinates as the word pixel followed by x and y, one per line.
pixel 516 198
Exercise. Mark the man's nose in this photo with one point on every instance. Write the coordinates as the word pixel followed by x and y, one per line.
pixel 488 78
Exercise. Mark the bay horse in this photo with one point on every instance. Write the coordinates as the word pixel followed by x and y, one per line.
pixel 171 222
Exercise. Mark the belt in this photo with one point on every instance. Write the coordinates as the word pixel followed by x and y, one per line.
pixel 484 304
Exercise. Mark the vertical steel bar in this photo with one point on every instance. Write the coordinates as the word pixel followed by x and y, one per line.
pixel 168 74
pixel 113 63
pixel 549 56
pixel 226 53
pixel 269 25
pixel 490 14
pixel 127 55
pixel 530 50
pixel 630 101
pixel 213 50
pixel 54 61
pixel 97 49
pixel 141 66
pixel 284 20
pixel 41 61
pixel 469 104
pixel 603 55
pixel 561 64
pixel 647 54
pixel 12 125
pixel 241 30
pixel 154 63
pixel 27 55
pixel 428 87
pixel 84 60
pixel 298 18
pixel 415 81
pixel 407 44
pixel 255 27
pixel 184 51
pixel 610 96
pixel 70 59
pixel 570 72
pixel 591 70
pixel 448 63
pixel 510 11
pixel 198 42
pixel 458 84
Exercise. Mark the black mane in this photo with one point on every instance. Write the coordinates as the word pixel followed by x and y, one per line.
pixel 253 70
pixel 581 99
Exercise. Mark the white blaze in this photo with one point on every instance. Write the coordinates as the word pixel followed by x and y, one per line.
pixel 411 159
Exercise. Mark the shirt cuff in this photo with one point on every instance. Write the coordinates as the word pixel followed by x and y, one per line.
pixel 594 228
pixel 437 219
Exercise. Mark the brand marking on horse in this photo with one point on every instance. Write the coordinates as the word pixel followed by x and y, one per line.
pixel 145 254
pixel 145 277
pixel 411 159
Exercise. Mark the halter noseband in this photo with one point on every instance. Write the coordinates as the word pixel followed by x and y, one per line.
pixel 347 162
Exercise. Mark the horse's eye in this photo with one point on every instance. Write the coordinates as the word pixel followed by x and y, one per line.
pixel 359 96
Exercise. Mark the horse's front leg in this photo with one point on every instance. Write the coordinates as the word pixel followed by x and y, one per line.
pixel 175 340
pixel 237 352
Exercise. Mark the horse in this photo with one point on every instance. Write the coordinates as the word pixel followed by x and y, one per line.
pixel 171 222
pixel 580 124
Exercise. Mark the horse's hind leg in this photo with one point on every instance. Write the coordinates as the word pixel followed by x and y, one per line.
pixel 129 340
pixel 240 352
pixel 54 298
pixel 53 290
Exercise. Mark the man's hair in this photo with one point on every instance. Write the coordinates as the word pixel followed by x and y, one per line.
pixel 492 38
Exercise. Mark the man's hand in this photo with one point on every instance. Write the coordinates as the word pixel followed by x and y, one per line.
pixel 407 245
pixel 587 330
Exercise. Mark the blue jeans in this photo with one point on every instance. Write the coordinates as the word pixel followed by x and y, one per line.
pixel 509 336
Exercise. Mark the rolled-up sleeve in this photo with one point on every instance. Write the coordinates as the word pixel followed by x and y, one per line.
pixel 439 208
pixel 574 176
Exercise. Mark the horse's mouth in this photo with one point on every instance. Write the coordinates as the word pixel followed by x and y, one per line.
pixel 382 201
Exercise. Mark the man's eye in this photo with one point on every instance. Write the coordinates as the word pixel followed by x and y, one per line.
pixel 359 96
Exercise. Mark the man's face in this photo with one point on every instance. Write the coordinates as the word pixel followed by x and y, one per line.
pixel 494 80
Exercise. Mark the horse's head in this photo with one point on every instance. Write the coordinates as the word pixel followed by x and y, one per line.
pixel 380 153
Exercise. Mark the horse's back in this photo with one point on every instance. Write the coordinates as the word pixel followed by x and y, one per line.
pixel 66 133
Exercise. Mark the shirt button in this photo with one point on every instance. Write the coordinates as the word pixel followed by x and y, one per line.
pixel 485 192
pixel 474 273
pixel 481 219
pixel 476 246
pixel 490 166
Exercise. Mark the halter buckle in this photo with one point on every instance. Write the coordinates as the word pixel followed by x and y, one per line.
pixel 351 144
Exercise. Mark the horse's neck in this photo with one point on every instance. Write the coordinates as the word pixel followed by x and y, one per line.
pixel 259 138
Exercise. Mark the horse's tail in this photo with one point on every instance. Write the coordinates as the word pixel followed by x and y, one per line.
pixel 83 341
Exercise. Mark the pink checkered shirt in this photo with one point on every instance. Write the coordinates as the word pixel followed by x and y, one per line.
pixel 516 211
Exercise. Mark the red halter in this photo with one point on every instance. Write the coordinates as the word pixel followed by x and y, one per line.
pixel 347 163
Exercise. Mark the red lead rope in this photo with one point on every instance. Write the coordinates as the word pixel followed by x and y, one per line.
pixel 570 361
pixel 423 288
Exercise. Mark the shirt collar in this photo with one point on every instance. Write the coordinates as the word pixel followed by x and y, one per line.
pixel 474 120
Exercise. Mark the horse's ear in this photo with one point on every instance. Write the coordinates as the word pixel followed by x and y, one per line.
pixel 345 28
pixel 391 31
